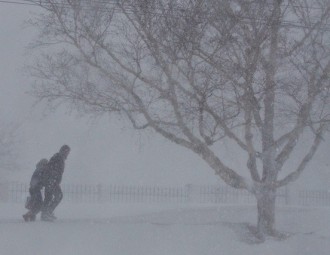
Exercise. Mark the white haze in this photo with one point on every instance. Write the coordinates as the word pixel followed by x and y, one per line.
pixel 145 229
pixel 106 150
pixel 102 151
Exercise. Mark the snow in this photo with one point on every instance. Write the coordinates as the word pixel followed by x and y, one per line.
pixel 124 229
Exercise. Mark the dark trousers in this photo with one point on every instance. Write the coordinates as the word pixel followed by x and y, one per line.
pixel 53 196
pixel 36 199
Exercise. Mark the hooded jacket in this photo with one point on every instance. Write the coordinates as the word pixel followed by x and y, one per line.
pixel 38 176
pixel 55 169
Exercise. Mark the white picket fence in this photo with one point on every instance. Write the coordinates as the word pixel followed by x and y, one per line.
pixel 215 194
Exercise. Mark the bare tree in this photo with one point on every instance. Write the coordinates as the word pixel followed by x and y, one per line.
pixel 255 73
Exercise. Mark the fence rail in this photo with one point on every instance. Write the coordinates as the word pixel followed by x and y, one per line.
pixel 314 197
pixel 215 194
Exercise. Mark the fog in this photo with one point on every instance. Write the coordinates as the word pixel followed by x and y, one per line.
pixel 147 230
pixel 107 151
pixel 104 149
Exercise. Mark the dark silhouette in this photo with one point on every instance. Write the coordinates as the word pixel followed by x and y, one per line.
pixel 53 191
pixel 34 202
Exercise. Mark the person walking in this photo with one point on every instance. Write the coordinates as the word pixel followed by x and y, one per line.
pixel 34 202
pixel 53 191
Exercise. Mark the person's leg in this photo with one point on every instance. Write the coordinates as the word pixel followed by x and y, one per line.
pixel 37 201
pixel 58 195
pixel 49 196
pixel 34 203
pixel 30 200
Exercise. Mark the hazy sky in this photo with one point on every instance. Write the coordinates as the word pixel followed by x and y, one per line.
pixel 102 151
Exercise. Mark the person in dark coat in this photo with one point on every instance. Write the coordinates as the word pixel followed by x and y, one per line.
pixel 34 202
pixel 53 191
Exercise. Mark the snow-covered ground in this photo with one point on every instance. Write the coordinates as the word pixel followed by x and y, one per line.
pixel 146 229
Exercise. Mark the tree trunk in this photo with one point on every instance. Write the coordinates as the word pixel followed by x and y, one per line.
pixel 266 211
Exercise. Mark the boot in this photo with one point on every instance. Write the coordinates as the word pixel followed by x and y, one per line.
pixel 29 216
pixel 52 216
pixel 45 216
pixel 26 217
pixel 33 217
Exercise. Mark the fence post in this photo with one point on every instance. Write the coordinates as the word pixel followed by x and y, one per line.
pixel 99 193
pixel 188 191
pixel 4 192
pixel 192 193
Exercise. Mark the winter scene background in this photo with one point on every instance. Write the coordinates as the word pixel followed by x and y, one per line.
pixel 163 199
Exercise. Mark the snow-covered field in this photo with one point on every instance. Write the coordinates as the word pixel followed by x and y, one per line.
pixel 138 229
